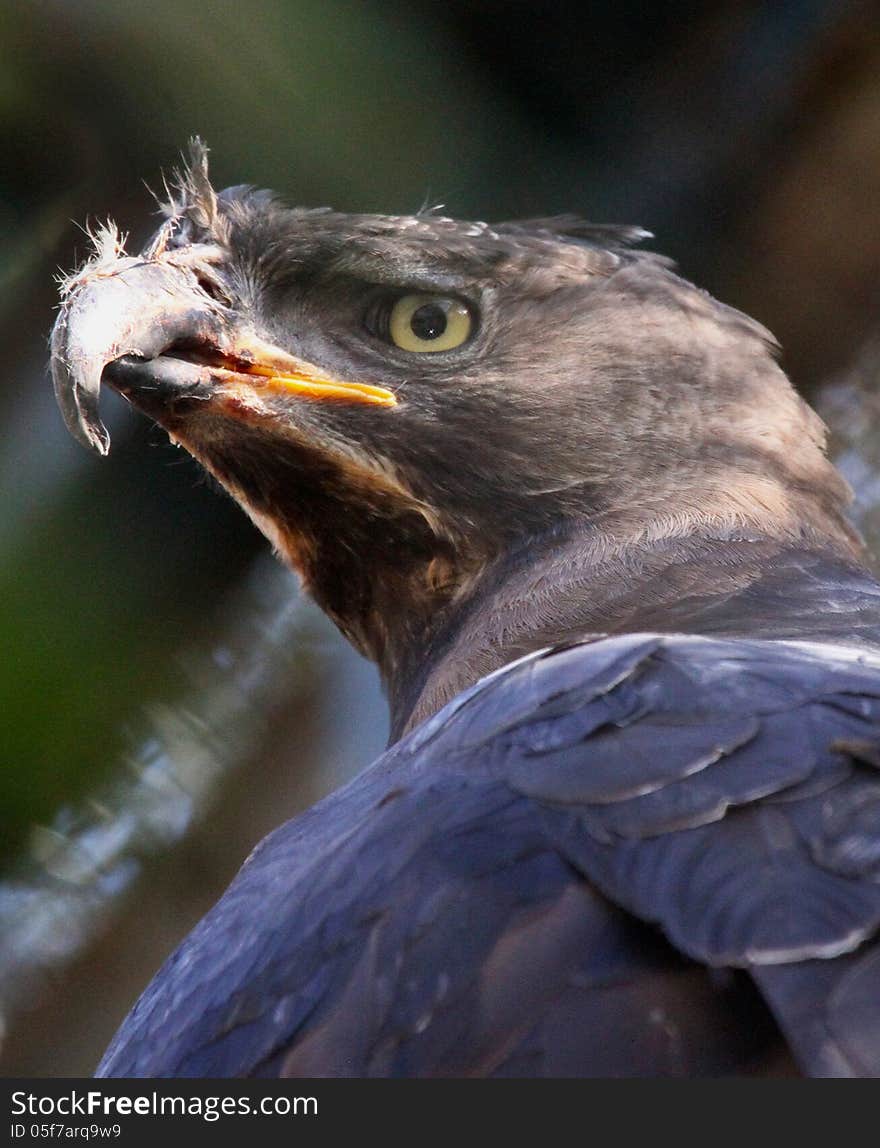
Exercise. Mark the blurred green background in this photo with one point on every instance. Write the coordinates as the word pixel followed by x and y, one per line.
pixel 162 703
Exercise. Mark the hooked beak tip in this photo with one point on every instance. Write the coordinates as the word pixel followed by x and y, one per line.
pixel 79 413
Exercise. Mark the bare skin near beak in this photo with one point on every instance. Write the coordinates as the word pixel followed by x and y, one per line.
pixel 153 328
pixel 263 365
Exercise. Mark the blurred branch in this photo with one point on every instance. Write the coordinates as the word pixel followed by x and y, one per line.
pixel 77 870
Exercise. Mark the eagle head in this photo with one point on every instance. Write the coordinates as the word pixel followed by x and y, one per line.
pixel 411 407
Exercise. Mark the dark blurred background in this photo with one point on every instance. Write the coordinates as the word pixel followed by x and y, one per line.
pixel 165 697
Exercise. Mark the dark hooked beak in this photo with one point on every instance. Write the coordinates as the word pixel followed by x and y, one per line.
pixel 155 330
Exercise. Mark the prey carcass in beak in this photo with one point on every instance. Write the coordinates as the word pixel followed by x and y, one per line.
pixel 158 327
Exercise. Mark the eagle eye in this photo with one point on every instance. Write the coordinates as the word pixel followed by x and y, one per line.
pixel 429 323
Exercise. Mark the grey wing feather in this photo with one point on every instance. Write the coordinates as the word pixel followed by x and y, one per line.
pixel 765 851
pixel 442 938
pixel 485 899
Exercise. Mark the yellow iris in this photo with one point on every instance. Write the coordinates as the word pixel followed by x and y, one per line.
pixel 429 323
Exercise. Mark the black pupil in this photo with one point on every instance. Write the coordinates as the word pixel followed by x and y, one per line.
pixel 428 322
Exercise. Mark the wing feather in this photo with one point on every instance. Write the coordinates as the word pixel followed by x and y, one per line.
pixel 542 878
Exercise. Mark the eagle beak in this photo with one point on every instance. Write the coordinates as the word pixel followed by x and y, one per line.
pixel 154 330
pixel 249 361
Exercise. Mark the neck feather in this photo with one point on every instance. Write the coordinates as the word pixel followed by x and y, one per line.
pixel 728 577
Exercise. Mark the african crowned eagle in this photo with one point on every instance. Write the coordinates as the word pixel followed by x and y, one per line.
pixel 628 822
